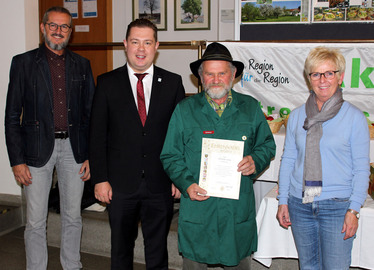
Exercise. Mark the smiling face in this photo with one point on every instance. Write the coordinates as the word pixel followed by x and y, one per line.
pixel 217 77
pixel 141 48
pixel 325 88
pixel 56 40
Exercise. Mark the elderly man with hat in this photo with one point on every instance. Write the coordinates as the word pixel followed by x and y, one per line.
pixel 212 230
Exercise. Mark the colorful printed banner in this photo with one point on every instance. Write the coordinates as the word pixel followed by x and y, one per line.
pixel 274 74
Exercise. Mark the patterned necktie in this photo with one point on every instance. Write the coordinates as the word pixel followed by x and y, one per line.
pixel 140 96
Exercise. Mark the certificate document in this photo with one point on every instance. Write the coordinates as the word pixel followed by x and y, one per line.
pixel 219 174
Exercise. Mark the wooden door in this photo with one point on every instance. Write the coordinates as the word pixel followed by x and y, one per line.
pixel 99 31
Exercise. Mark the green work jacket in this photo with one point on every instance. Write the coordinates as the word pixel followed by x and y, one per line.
pixel 218 230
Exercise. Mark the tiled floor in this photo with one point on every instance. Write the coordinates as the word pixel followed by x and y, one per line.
pixel 12 255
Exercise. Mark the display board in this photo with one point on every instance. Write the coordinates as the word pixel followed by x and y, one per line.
pixel 305 11
pixel 265 20
pixel 312 31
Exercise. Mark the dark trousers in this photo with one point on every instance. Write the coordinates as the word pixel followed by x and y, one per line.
pixel 155 212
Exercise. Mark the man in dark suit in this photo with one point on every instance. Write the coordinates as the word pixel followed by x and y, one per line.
pixel 128 129
pixel 46 125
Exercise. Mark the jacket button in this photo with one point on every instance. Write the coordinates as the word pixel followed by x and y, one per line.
pixel 144 155
pixel 144 133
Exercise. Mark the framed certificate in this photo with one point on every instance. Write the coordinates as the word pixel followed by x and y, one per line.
pixel 219 174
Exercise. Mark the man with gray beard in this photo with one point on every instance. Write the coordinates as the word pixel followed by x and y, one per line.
pixel 46 126
pixel 212 230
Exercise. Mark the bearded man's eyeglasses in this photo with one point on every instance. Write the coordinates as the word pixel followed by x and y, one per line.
pixel 63 27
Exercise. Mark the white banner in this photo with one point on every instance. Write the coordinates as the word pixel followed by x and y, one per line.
pixel 274 74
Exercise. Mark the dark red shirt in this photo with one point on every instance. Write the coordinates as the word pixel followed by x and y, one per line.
pixel 57 68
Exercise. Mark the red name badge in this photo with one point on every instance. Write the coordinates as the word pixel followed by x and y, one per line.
pixel 208 132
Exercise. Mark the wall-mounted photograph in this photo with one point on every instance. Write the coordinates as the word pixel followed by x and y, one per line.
pixel 191 15
pixel 338 11
pixel 153 10
pixel 274 11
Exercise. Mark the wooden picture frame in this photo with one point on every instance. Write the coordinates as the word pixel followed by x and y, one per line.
pixel 153 10
pixel 185 19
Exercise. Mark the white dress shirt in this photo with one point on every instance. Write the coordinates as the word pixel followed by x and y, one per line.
pixel 147 85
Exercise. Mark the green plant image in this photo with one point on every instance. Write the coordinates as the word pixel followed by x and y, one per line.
pixel 192 8
pixel 250 12
pixel 253 12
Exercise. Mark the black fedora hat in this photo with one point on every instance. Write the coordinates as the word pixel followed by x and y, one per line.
pixel 216 51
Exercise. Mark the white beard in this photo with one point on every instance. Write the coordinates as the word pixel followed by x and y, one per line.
pixel 217 94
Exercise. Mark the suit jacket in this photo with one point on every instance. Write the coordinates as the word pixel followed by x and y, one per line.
pixel 30 98
pixel 122 151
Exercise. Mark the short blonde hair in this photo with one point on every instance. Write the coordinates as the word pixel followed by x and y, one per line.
pixel 319 55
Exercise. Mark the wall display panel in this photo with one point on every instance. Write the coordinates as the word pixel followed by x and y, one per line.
pixel 305 11
pixel 310 31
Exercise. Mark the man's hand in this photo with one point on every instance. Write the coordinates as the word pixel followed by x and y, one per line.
pixel 86 170
pixel 350 225
pixel 194 190
pixel 247 166
pixel 283 216
pixel 175 192
pixel 103 192
pixel 22 174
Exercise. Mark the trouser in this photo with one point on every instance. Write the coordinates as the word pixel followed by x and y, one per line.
pixel 155 212
pixel 188 264
pixel 316 228
pixel 37 193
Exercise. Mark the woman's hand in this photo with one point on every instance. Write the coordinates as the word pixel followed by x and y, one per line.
pixel 350 225
pixel 283 216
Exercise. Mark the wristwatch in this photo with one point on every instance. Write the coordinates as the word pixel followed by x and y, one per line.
pixel 357 214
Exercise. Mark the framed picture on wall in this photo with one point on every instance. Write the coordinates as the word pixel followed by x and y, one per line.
pixel 153 10
pixel 191 15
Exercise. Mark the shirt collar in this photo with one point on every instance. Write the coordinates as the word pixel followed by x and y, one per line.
pixel 219 108
pixel 131 72
pixel 52 55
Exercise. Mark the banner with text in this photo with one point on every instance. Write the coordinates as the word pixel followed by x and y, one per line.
pixel 274 74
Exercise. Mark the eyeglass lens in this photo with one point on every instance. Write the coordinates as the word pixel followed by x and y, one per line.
pixel 53 27
pixel 327 75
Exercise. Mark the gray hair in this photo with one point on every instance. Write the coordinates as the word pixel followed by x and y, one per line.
pixel 59 10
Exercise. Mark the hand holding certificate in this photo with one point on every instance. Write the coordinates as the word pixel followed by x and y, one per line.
pixel 219 174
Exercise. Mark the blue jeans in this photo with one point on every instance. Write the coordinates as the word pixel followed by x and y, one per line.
pixel 71 189
pixel 316 228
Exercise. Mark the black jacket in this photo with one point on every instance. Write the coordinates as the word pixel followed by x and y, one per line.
pixel 122 151
pixel 29 124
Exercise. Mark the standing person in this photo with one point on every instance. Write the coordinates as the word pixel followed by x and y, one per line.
pixel 46 125
pixel 324 173
pixel 128 129
pixel 216 230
